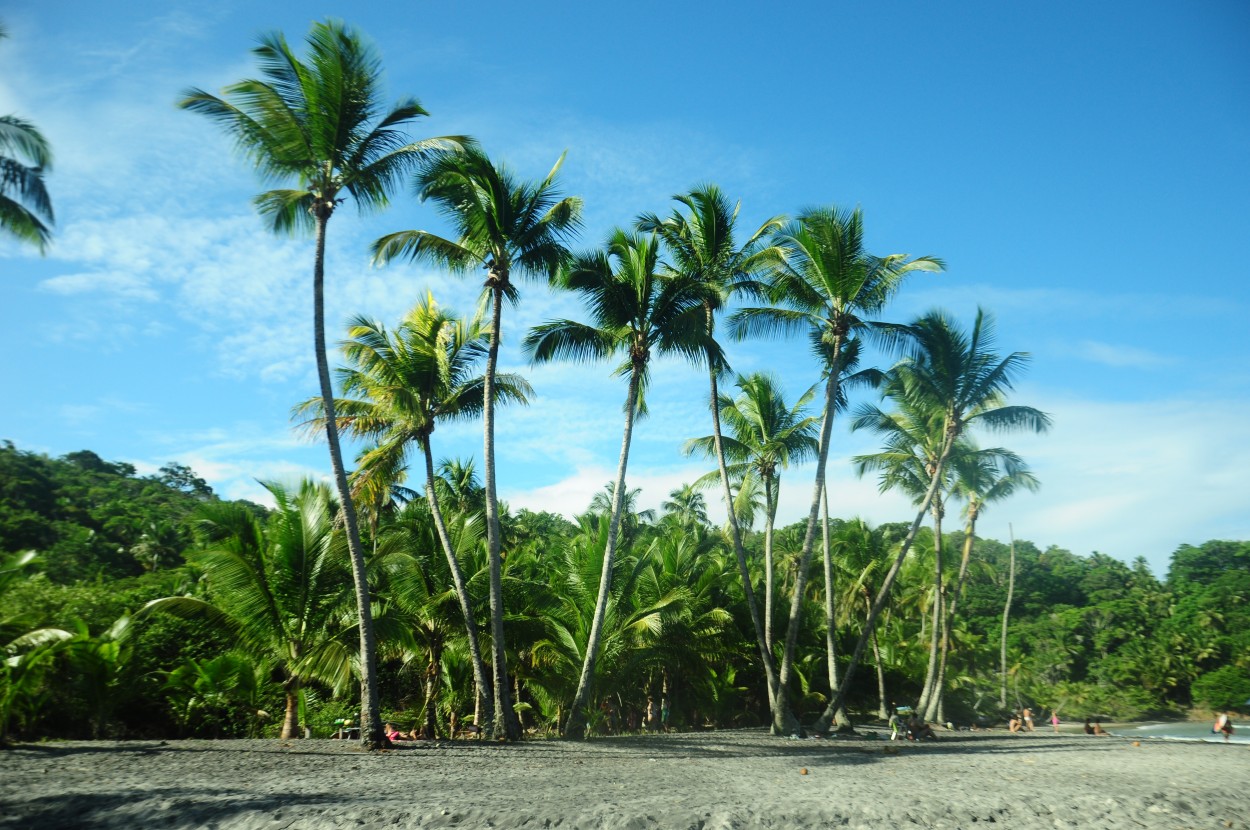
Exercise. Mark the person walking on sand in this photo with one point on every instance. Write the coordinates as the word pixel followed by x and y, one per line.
pixel 1054 721
pixel 1028 719
pixel 1224 723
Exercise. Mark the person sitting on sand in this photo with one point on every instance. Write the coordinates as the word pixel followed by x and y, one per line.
pixel 393 734
pixel 918 730
pixel 1224 723
pixel 1014 723
pixel 1098 730
pixel 1089 730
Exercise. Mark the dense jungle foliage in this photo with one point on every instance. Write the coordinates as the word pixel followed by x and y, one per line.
pixel 1087 634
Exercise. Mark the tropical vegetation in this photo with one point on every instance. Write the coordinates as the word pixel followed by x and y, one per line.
pixel 144 605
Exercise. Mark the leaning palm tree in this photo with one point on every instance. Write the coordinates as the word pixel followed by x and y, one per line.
pixel 766 435
pixel 636 310
pixel 959 375
pixel 825 287
pixel 25 207
pixel 401 384
pixel 700 244
pixel 503 226
pixel 319 123
pixel 280 586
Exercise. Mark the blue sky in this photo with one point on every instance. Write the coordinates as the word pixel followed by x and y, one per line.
pixel 1082 169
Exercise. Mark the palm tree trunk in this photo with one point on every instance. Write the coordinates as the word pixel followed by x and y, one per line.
pixel 770 511
pixel 784 721
pixel 290 719
pixel 576 728
pixel 884 593
pixel 831 628
pixel 766 655
pixel 480 678
pixel 371 736
pixel 883 711
pixel 505 724
pixel 1011 587
pixel 950 614
pixel 929 690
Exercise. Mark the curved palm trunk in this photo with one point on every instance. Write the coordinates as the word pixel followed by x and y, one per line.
pixel 576 727
pixel 784 721
pixel 884 593
pixel 370 718
pixel 929 690
pixel 766 654
pixel 505 723
pixel 1011 588
pixel 480 677
pixel 831 629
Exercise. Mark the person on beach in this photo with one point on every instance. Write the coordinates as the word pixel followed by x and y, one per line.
pixel 1224 723
pixel 1054 721
pixel 1028 719
pixel 1014 723
pixel 918 730
pixel 1096 729
pixel 896 725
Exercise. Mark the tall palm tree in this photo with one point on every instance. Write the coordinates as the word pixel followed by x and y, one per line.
pixel 25 207
pixel 281 586
pixel 982 476
pixel 701 245
pixel 636 311
pixel 961 376
pixel 319 123
pixel 913 436
pixel 824 287
pixel 402 384
pixel 687 507
pixel 504 226
pixel 765 435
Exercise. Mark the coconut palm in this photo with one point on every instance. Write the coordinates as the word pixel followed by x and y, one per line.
pixel 506 227
pixel 686 506
pixel 401 384
pixel 961 376
pixel 281 586
pixel 913 436
pixel 636 311
pixel 981 477
pixel 766 435
pixel 319 123
pixel 25 207
pixel 824 287
pixel 701 245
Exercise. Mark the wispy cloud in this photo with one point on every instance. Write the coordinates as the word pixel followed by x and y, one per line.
pixel 1122 357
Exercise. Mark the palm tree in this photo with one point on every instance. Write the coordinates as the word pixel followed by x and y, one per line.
pixel 687 507
pixel 766 436
pixel 320 124
pixel 960 376
pixel 503 226
pixel 281 587
pixel 701 245
pixel 825 285
pixel 636 311
pixel 913 441
pixel 25 208
pixel 403 383
pixel 982 476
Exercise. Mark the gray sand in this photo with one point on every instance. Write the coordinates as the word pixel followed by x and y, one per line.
pixel 709 781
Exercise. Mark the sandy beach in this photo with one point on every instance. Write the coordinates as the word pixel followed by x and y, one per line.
pixel 709 781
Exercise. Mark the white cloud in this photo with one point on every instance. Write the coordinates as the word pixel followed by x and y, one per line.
pixel 1122 357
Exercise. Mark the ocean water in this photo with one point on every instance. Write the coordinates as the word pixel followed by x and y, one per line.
pixel 1187 731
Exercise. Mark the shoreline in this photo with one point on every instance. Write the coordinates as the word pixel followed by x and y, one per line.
pixel 705 780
